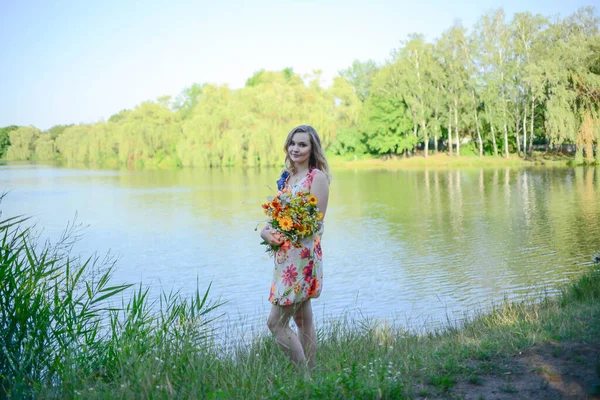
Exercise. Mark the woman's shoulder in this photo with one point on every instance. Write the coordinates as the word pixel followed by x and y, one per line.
pixel 319 175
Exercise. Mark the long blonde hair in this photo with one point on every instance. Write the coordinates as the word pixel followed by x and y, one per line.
pixel 317 155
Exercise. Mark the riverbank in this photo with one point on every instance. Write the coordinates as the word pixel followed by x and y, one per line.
pixel 537 350
pixel 433 161
pixel 63 340
pixel 443 160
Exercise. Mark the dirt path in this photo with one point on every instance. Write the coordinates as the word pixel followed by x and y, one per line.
pixel 563 370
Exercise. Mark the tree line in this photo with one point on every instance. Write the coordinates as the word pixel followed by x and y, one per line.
pixel 503 87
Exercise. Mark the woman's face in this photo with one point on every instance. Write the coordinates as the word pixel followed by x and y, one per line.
pixel 300 148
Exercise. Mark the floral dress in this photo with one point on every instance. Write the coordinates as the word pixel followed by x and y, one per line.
pixel 298 273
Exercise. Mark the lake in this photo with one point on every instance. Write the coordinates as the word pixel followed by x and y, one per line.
pixel 412 247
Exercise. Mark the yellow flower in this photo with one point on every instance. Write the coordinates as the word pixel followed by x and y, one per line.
pixel 301 230
pixel 320 216
pixel 285 223
pixel 312 200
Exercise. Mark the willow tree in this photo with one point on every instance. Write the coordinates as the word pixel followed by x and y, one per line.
pixel 73 143
pixel 188 99
pixel 43 148
pixel 4 138
pixel 203 130
pixel 148 135
pixel 573 81
pixel 22 142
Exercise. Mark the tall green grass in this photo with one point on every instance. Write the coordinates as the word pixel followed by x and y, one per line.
pixel 69 333
pixel 60 326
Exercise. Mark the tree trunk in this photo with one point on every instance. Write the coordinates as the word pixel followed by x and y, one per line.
pixel 477 126
pixel 531 129
pixel 426 137
pixel 437 126
pixel 479 135
pixel 456 126
pixel 504 116
pixel 450 131
pixel 517 129
pixel 493 134
pixel 525 132
pixel 517 138
pixel 505 140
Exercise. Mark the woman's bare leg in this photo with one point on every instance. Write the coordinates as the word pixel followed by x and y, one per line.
pixel 279 324
pixel 303 317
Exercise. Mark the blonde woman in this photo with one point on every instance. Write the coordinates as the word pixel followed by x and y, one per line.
pixel 298 273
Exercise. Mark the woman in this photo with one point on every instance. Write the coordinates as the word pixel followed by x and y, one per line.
pixel 298 275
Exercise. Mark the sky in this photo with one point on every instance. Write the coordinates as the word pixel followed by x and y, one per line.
pixel 72 62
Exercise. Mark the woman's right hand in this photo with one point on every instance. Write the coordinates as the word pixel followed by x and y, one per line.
pixel 272 236
pixel 276 238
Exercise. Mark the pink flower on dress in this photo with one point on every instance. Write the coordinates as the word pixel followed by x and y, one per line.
pixel 305 253
pixel 309 179
pixel 308 271
pixel 289 275
pixel 287 302
pixel 317 246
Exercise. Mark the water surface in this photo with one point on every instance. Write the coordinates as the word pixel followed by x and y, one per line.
pixel 414 247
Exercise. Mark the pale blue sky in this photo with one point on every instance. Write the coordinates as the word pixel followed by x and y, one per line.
pixel 82 61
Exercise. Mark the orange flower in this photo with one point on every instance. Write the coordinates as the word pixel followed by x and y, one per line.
pixel 313 200
pixel 276 205
pixel 314 287
pixel 285 223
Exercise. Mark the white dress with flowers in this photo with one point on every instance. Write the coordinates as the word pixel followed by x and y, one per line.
pixel 298 273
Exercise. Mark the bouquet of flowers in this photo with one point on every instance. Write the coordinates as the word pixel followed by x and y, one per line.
pixel 294 215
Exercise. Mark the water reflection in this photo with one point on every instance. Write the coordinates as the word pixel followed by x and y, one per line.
pixel 419 246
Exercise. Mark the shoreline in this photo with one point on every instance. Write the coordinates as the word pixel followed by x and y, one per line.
pixel 434 161
pixel 445 161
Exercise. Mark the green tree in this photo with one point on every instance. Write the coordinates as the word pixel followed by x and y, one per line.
pixel 454 62
pixel 347 108
pixel 22 143
pixel 43 148
pixel 493 34
pixel 360 75
pixel 416 61
pixel 529 46
pixel 5 139
pixel 57 130
pixel 188 99
pixel 385 120
pixel 572 82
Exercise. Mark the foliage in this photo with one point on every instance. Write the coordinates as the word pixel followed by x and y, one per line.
pixel 360 75
pixel 4 139
pixel 503 86
pixel 22 143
